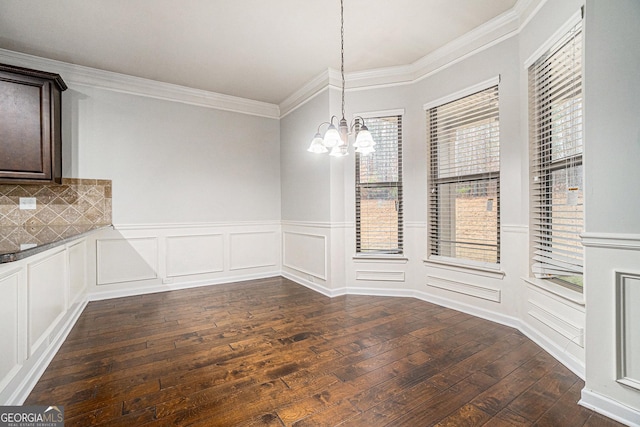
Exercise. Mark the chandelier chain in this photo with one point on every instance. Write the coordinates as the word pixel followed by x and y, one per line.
pixel 342 50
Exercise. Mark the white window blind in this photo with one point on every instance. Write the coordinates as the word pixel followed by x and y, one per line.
pixel 379 189
pixel 557 189
pixel 464 173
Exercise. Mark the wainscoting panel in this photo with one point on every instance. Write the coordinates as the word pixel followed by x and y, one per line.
pixel 9 318
pixel 77 270
pixel 384 276
pixel 306 253
pixel 126 260
pixel 628 298
pixel 252 249
pixel 557 322
pixel 47 297
pixel 559 317
pixel 198 254
pixel 474 290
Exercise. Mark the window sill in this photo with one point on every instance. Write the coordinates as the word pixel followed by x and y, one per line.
pixel 480 270
pixel 387 258
pixel 557 290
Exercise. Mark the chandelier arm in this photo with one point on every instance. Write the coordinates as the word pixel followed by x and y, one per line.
pixel 323 123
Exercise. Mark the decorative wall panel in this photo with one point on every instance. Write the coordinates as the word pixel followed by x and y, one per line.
pixel 199 254
pixel 252 250
pixel 628 299
pixel 306 253
pixel 127 260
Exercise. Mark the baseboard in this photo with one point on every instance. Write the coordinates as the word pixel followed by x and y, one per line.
pixel 142 290
pixel 34 368
pixel 559 353
pixel 311 285
pixel 610 408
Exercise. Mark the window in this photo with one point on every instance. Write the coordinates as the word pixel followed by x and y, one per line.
pixel 557 189
pixel 464 173
pixel 379 189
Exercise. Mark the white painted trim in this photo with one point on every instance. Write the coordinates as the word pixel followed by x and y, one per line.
pixel 528 9
pixel 551 41
pixel 306 93
pixel 162 226
pixel 302 270
pixel 564 327
pixel 274 233
pixel 308 224
pixel 142 290
pixel 610 408
pixel 621 329
pixel 506 25
pixel 380 258
pixel 383 113
pixel 555 290
pixel 380 276
pixel 611 241
pixel 462 93
pixel 154 267
pixel 76 75
pixel 473 290
pixel 167 255
pixel 40 364
pixel 464 267
pixel 559 353
pixel 311 285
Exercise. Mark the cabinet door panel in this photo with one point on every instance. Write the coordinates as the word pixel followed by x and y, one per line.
pixel 22 144
pixel 47 299
pixel 9 312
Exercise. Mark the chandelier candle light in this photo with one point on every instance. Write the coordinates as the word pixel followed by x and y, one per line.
pixel 337 139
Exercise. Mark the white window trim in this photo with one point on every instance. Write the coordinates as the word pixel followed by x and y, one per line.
pixel 494 81
pixel 485 269
pixel 549 285
pixel 381 258
pixel 556 290
pixel 381 113
pixel 551 41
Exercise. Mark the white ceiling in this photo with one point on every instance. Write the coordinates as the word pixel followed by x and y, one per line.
pixel 257 49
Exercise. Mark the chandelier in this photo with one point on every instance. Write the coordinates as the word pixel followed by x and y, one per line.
pixel 336 139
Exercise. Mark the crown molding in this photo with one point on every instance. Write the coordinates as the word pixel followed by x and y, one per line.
pixel 76 75
pixel 328 78
pixel 502 27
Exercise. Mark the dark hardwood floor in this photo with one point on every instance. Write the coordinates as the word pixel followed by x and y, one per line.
pixel 271 352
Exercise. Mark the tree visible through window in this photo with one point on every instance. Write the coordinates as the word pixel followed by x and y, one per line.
pixel 379 189
pixel 464 174
pixel 557 189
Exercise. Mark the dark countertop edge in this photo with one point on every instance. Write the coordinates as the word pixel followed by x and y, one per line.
pixel 16 256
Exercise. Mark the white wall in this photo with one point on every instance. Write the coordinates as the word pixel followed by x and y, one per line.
pixel 612 206
pixel 304 185
pixel 172 162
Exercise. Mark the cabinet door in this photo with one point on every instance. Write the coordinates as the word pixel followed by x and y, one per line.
pixel 29 128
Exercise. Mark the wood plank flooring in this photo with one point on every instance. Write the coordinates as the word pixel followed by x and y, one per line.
pixel 271 352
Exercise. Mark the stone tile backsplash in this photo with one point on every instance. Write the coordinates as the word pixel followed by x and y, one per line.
pixel 76 202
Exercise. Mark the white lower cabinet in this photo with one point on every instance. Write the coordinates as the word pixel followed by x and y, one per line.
pixel 10 357
pixel 40 297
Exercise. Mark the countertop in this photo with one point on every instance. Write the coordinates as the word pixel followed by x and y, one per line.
pixel 20 242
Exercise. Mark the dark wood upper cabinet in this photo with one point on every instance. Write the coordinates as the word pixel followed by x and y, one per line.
pixel 30 121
